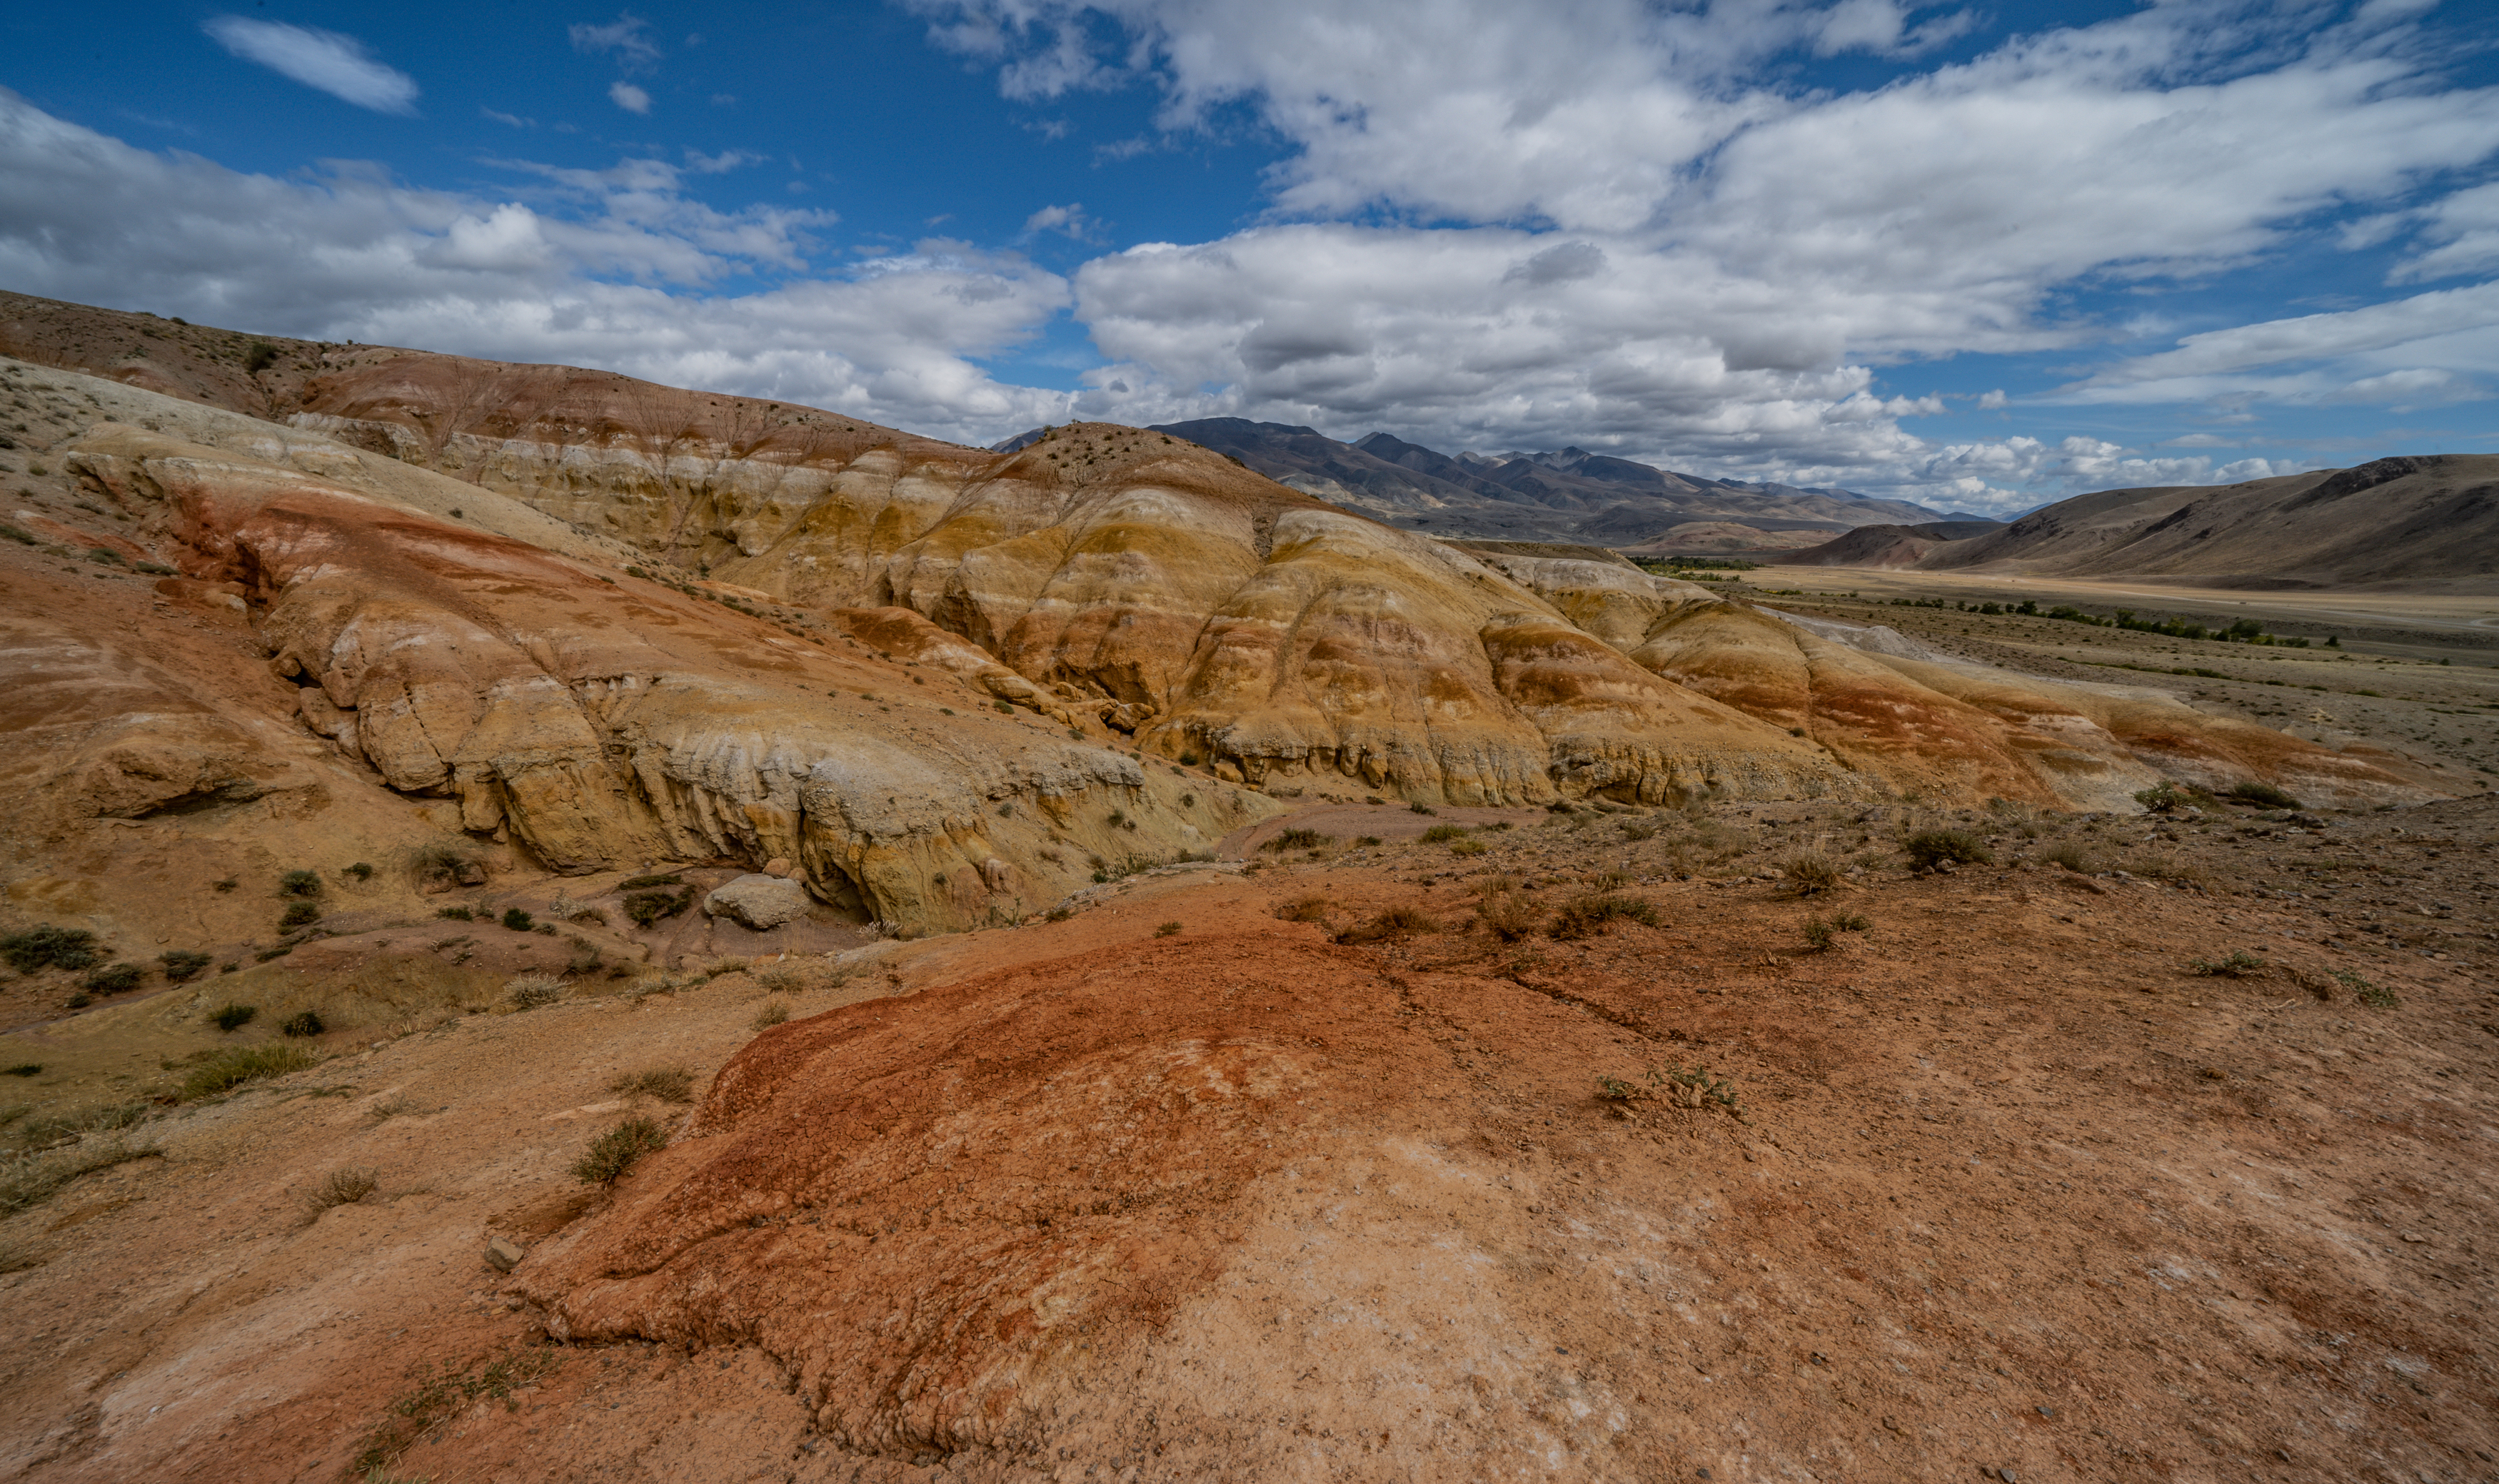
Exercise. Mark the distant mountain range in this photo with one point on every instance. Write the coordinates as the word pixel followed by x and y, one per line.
pixel 1570 496
pixel 2428 522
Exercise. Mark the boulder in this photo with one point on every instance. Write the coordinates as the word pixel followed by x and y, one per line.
pixel 759 902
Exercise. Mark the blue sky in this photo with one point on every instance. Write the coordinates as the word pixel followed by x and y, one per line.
pixel 1975 256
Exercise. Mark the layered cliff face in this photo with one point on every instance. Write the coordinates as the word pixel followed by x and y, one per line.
pixel 597 719
pixel 1210 613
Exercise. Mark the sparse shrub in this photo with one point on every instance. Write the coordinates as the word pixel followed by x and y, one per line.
pixel 518 921
pixel 80 1000
pixel 590 914
pixel 1632 829
pixel 727 964
pixel 1058 913
pixel 300 883
pixel 1509 916
pixel 1930 849
pixel 781 979
pixel 231 1016
pixel 544 929
pixel 1298 840
pixel 1676 1087
pixel 1421 809
pixel 2254 793
pixel 1817 935
pixel 113 978
pixel 531 991
pixel 236 1065
pixel 637 882
pixel 773 1012
pixel 2069 855
pixel 443 1392
pixel 615 1151
pixel 1850 922
pixel 2369 992
pixel 28 1180
pixel 1587 915
pixel 362 870
pixel 302 1023
pixel 2240 964
pixel 1304 909
pixel 1367 840
pixel 24 1069
pixel 1167 930
pixel 445 865
pixel 456 914
pixel 341 1188
pixel 645 908
pixel 1809 873
pixel 667 1083
pixel 49 947
pixel 298 915
pixel 1463 847
pixel 182 965
pixel 1440 832
pixel 1391 923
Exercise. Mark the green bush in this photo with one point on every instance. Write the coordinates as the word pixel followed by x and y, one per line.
pixel 2264 794
pixel 616 1151
pixel 231 1016
pixel 1930 848
pixel 300 883
pixel 518 921
pixel 455 913
pixel 2241 964
pixel 648 907
pixel 236 1065
pixel 298 915
pixel 182 965
pixel 51 948
pixel 114 979
pixel 1298 840
pixel 1440 832
pixel 303 1022
pixel 1817 935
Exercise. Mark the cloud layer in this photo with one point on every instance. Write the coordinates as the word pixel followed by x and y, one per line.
pixel 1598 222
pixel 607 267
pixel 1648 249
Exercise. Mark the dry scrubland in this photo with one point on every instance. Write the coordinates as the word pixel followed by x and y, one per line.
pixel 561 928
pixel 1390 1158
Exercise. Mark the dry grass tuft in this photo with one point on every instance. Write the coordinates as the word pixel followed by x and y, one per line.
pixel 341 1188
pixel 1391 923
pixel 1809 873
pixel 1588 915
pixel 667 1083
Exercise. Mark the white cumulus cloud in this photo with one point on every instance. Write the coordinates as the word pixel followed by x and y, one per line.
pixel 625 95
pixel 338 65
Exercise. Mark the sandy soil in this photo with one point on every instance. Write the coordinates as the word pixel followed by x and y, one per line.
pixel 2017 1190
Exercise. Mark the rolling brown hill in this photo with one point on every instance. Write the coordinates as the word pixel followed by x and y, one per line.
pixel 2428 522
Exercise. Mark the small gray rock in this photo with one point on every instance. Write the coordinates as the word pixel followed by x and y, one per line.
pixel 503 1254
pixel 759 902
